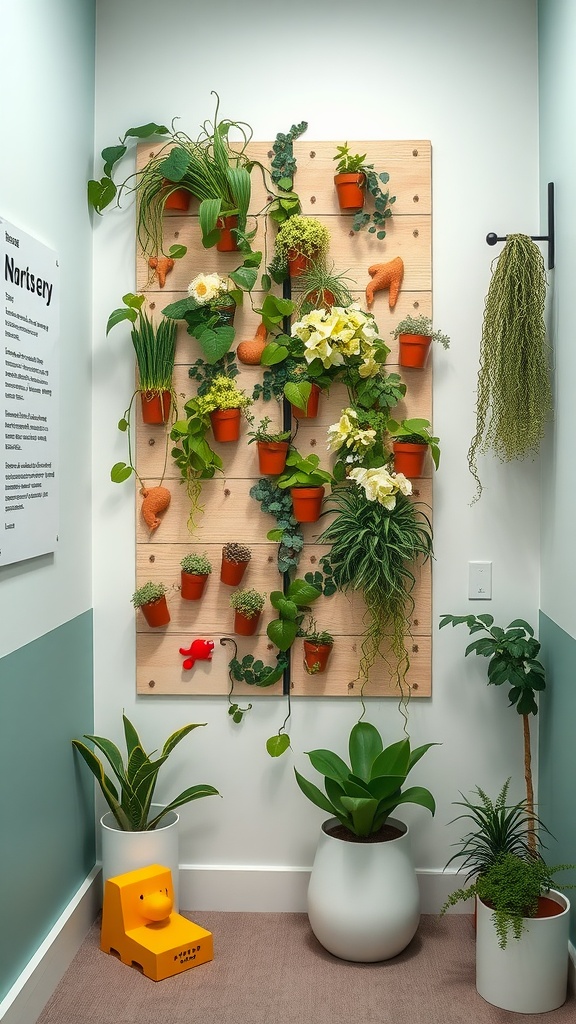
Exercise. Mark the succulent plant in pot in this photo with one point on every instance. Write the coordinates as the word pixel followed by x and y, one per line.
pixel 224 402
pixel 247 605
pixel 195 570
pixel 235 559
pixel 415 335
pixel 151 599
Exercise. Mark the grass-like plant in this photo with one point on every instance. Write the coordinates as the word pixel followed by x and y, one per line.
pixel 148 593
pixel 514 392
pixel 320 286
pixel 374 550
pixel 137 776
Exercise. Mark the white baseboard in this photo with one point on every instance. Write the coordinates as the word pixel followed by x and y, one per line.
pixel 572 968
pixel 32 990
pixel 264 888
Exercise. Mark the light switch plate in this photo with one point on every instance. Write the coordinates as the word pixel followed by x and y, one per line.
pixel 480 581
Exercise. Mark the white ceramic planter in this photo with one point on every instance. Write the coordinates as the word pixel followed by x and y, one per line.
pixel 363 898
pixel 126 851
pixel 531 974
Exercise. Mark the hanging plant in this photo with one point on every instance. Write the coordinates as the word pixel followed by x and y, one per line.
pixel 514 394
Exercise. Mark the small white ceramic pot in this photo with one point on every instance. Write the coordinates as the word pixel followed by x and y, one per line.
pixel 126 851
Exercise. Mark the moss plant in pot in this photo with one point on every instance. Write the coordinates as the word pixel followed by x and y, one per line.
pixel 224 402
pixel 247 605
pixel 235 559
pixel 307 484
pixel 298 241
pixel 415 335
pixel 136 831
pixel 151 599
pixel 195 570
pixel 363 899
pixel 411 440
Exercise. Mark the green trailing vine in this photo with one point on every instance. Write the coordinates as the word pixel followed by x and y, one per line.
pixel 514 393
pixel 288 532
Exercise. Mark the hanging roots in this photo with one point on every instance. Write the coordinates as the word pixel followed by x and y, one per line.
pixel 514 396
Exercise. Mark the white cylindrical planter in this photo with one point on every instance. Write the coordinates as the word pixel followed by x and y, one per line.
pixel 363 898
pixel 531 974
pixel 126 851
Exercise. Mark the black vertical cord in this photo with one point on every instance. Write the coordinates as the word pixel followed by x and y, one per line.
pixel 286 425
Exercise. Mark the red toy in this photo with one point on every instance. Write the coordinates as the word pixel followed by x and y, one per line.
pixel 200 650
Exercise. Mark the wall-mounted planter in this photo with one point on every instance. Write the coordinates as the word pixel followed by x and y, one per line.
pixel 350 190
pixel 192 586
pixel 409 458
pixel 232 573
pixel 227 241
pixel 414 350
pixel 297 263
pixel 244 626
pixel 156 613
pixel 155 406
pixel 316 657
pixel 272 457
pixel 225 424
pixel 307 503
pixel 311 410
pixel 179 200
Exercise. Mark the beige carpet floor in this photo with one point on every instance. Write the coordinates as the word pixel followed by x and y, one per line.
pixel 269 968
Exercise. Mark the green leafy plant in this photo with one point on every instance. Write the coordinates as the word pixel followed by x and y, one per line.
pixel 347 162
pixel 283 170
pixel 192 454
pixel 148 593
pixel 223 393
pixel 205 373
pixel 291 606
pixel 514 391
pixel 101 193
pixel 511 886
pixel 420 325
pixel 416 431
pixel 248 602
pixel 287 532
pixel 198 565
pixel 154 347
pixel 513 659
pixel 498 828
pixel 311 632
pixel 137 776
pixel 320 287
pixel 303 471
pixel 262 433
pixel 363 794
pixel 355 163
pixel 300 236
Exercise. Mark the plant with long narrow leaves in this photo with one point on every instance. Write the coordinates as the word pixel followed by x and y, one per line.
pixel 137 776
pixel 363 794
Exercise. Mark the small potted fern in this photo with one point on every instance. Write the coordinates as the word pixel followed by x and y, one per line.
pixel 151 599
pixel 352 179
pixel 195 570
pixel 247 605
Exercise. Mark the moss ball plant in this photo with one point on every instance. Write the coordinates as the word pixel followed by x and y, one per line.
pixel 248 602
pixel 198 565
pixel 148 593
pixel 223 394
pixel 299 236
pixel 237 553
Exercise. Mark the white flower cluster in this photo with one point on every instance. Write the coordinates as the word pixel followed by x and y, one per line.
pixel 207 287
pixel 380 485
pixel 337 334
pixel 347 434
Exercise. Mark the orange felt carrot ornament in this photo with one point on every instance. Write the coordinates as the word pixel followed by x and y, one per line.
pixel 162 265
pixel 156 500
pixel 250 351
pixel 385 275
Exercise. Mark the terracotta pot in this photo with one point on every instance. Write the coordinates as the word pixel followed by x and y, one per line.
pixel 225 424
pixel 226 314
pixel 316 657
pixel 311 410
pixel 244 626
pixel 179 199
pixel 227 241
pixel 272 457
pixel 155 406
pixel 414 349
pixel 409 458
pixel 192 586
pixel 322 298
pixel 297 263
pixel 350 191
pixel 156 613
pixel 307 503
pixel 231 573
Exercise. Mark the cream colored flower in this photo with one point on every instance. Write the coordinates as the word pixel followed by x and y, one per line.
pixel 338 433
pixel 380 485
pixel 206 287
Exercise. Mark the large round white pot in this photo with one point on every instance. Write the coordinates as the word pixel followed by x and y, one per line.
pixel 126 851
pixel 531 974
pixel 363 898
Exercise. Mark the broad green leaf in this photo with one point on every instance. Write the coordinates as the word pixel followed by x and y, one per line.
pixel 276 745
pixel 244 277
pixel 394 760
pixel 302 593
pixel 273 354
pixel 418 795
pixel 176 310
pixel 101 193
pixel 111 155
pixel 298 394
pixel 177 251
pixel 108 788
pixel 282 633
pixel 362 812
pixel 175 165
pixel 329 764
pixel 275 535
pixel 365 744
pixel 308 788
pixel 118 315
pixel 208 214
pixel 145 131
pixel 215 342
pixel 194 793
pixel 123 425
pixel 120 472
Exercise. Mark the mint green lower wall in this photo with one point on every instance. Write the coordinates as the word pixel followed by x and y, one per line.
pixel 557 752
pixel 47 837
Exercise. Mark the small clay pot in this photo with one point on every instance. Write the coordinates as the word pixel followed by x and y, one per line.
pixel 414 350
pixel 350 189
pixel 316 657
pixel 272 457
pixel 231 573
pixel 156 612
pixel 192 585
pixel 311 410
pixel 307 503
pixel 409 458
pixel 155 406
pixel 227 241
pixel 225 424
pixel 245 626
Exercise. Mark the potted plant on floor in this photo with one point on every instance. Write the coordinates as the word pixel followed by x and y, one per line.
pixel 298 241
pixel 353 177
pixel 306 482
pixel 363 899
pixel 151 599
pixel 247 605
pixel 415 335
pixel 318 644
pixel 223 402
pixel 411 440
pixel 195 570
pixel 135 831
pixel 235 559
pixel 272 445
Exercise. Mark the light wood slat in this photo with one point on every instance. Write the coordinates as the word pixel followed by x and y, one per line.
pixel 159 661
pixel 407 237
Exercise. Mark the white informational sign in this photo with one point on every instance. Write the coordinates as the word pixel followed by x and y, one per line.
pixel 29 329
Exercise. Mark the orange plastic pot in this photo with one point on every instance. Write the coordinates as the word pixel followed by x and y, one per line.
pixel 414 349
pixel 307 503
pixel 225 424
pixel 179 199
pixel 244 626
pixel 272 457
pixel 156 613
pixel 192 586
pixel 227 241
pixel 231 573
pixel 350 191
pixel 409 458
pixel 297 263
pixel 155 406
pixel 321 298
pixel 311 410
pixel 316 657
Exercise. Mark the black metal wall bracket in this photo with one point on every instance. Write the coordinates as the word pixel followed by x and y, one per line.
pixel 492 238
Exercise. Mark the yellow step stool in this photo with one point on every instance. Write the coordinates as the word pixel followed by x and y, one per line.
pixel 139 927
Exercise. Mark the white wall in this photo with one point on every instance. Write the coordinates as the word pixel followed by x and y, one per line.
pixel 464 75
pixel 46 154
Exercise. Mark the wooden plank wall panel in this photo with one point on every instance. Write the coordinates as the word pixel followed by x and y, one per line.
pixel 229 513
